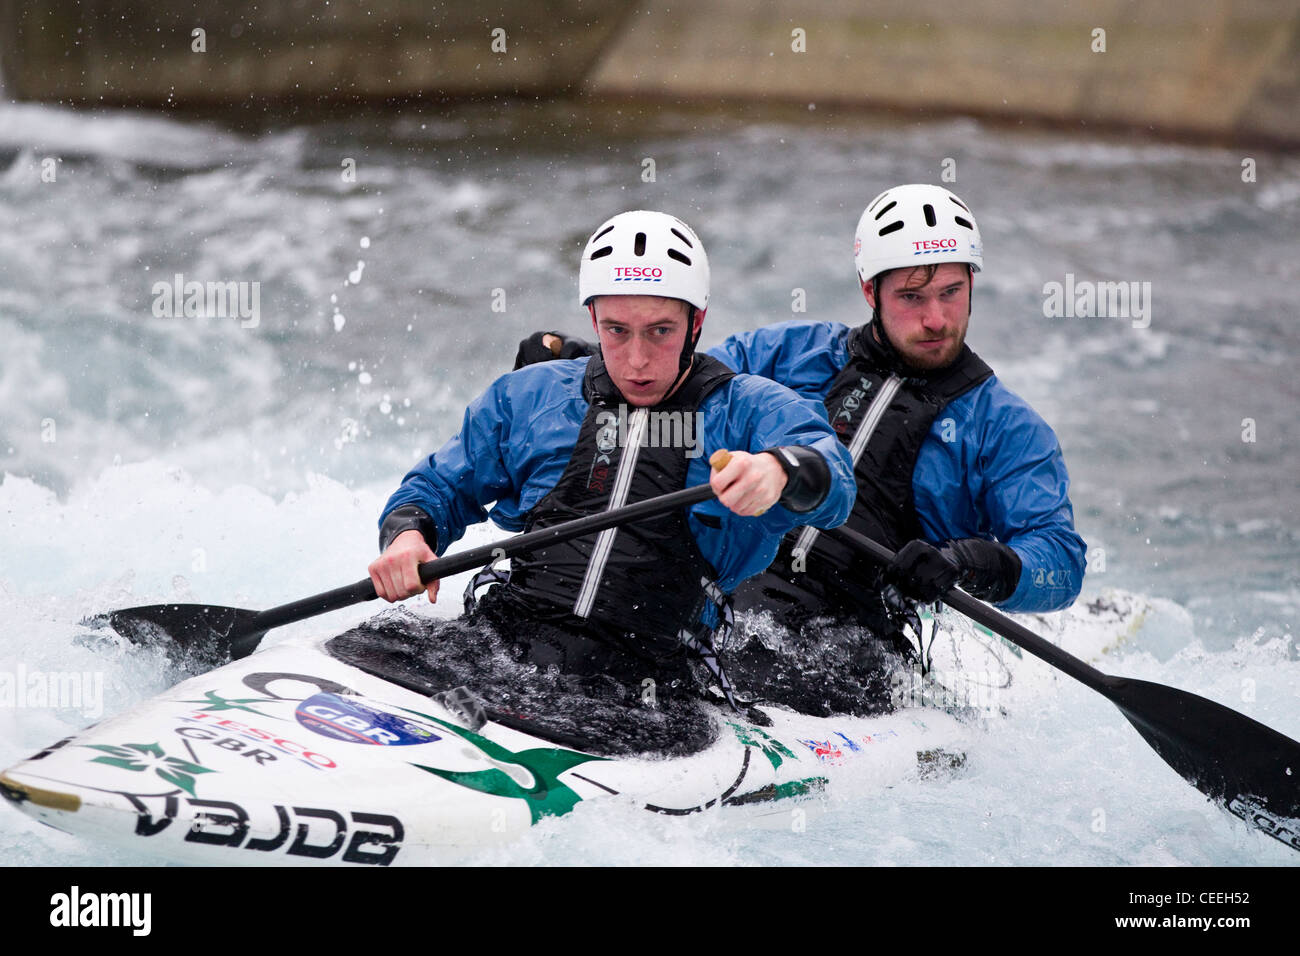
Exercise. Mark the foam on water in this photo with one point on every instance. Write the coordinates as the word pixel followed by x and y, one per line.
pixel 116 135
pixel 1061 779
pixel 252 463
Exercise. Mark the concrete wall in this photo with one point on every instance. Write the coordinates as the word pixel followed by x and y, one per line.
pixel 1226 69
pixel 1221 68
pixel 141 51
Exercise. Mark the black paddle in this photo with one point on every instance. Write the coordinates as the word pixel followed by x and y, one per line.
pixel 216 634
pixel 1250 770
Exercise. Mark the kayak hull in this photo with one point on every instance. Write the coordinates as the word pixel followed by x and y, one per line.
pixel 292 757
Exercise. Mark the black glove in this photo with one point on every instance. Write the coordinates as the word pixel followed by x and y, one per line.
pixel 990 570
pixel 987 570
pixel 922 572
pixel 531 350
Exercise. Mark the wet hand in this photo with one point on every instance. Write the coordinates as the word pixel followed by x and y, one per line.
pixel 747 484
pixel 396 574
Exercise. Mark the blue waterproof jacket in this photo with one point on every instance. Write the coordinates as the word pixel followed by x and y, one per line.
pixel 519 434
pixel 989 468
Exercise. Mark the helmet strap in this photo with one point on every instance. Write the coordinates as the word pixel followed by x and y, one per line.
pixel 692 339
pixel 881 335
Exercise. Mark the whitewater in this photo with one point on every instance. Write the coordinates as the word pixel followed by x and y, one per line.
pixel 149 457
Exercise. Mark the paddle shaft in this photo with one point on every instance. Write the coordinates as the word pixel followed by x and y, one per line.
pixel 994 620
pixel 477 557
pixel 1248 768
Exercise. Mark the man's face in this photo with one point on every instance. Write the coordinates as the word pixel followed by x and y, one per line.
pixel 926 323
pixel 641 338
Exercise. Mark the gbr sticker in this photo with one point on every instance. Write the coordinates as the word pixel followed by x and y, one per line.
pixel 347 719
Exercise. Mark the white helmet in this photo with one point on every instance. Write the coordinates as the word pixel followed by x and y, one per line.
pixel 915 225
pixel 645 253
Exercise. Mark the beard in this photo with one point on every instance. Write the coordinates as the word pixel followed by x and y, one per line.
pixel 931 357
pixel 925 359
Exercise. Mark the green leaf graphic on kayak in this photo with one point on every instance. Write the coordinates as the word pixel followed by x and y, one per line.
pixel 142 757
pixel 546 797
pixel 215 702
pixel 773 749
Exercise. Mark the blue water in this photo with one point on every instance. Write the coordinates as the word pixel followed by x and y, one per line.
pixel 149 457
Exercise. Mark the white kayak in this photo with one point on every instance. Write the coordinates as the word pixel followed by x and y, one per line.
pixel 292 756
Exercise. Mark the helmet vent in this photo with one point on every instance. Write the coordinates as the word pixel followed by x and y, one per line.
pixel 885 210
pixel 894 226
pixel 954 201
pixel 639 246
pixel 679 256
pixel 602 232
pixel 962 222
pixel 602 253
pixel 689 244
pixel 930 220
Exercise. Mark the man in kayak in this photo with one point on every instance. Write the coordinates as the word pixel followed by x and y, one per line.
pixel 556 441
pixel 954 471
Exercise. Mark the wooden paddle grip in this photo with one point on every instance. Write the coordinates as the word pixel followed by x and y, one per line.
pixel 719 460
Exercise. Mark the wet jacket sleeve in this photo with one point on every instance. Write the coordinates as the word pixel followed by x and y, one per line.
pixel 752 414
pixel 454 485
pixel 803 356
pixel 1000 474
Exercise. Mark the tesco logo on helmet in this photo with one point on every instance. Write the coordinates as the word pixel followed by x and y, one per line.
pixel 638 274
pixel 934 245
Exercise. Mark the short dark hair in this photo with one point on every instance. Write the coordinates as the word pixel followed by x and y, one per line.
pixel 927 271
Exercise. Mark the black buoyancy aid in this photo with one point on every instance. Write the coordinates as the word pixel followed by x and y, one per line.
pixel 646 578
pixel 882 411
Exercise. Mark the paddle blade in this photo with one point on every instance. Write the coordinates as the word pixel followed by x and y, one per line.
pixel 1250 770
pixel 201 632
